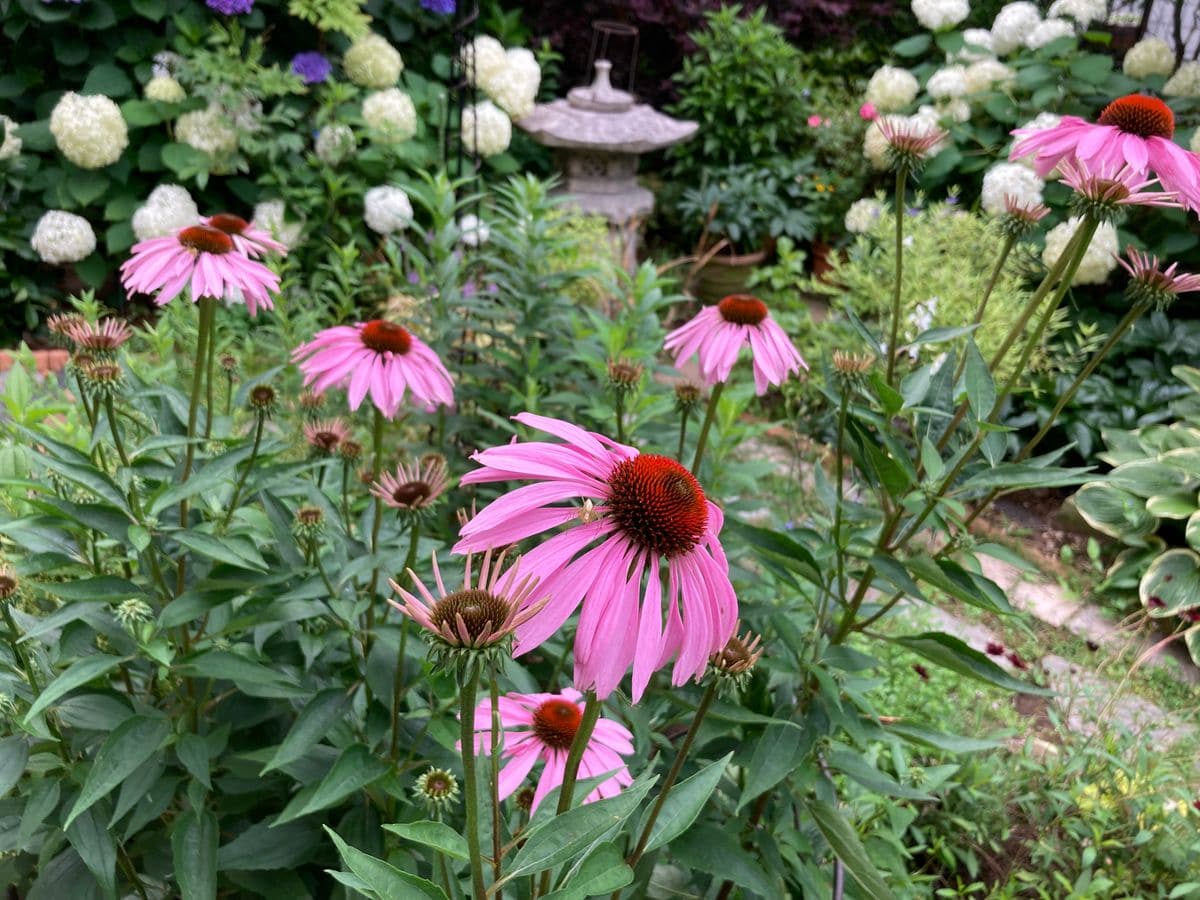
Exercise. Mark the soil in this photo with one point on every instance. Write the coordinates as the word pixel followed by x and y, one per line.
pixel 1038 518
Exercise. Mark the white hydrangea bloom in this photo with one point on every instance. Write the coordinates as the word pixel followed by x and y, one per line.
pixel 1047 31
pixel 334 143
pixel 391 115
pixel 514 88
pixel 1082 11
pixel 12 142
pixel 386 209
pixel 1012 180
pixel 164 89
pixel 937 15
pixel 875 145
pixel 89 131
pixel 891 89
pixel 1149 56
pixel 207 130
pixel 272 215
pixel 62 237
pixel 1194 143
pixel 950 81
pixel 486 130
pixel 956 110
pixel 168 208
pixel 862 215
pixel 977 45
pixel 473 231
pixel 483 60
pixel 1012 24
pixel 372 62
pixel 1099 259
pixel 1185 82
pixel 981 75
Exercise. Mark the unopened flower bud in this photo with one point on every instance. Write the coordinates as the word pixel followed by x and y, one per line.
pixel 263 399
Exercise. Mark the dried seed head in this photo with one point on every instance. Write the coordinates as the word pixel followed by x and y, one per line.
pixel 624 375
pixel 687 396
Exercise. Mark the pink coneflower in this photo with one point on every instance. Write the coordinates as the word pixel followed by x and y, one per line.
pixel 1151 283
pixel 103 336
pixel 376 357
pixel 1107 187
pixel 910 140
pixel 718 333
pixel 542 727
pixel 325 435
pixel 650 509
pixel 248 239
pixel 203 259
pixel 1022 215
pixel 415 486
pixel 1134 130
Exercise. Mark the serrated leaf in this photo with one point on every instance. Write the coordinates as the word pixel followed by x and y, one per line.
pixel 132 742
pixel 193 753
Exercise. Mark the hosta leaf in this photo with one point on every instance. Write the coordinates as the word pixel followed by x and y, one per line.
pixel 1115 512
pixel 1172 584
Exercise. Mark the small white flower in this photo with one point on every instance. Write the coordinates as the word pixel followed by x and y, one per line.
pixel 514 88
pixel 1185 82
pixel 1149 56
pixel 977 45
pixel 483 59
pixel 164 89
pixel 1082 11
pixel 271 215
pixel 486 130
pixel 1047 31
pixel 1012 180
pixel 89 131
pixel 862 215
pixel 937 15
pixel 473 231
pixel 1012 24
pixel 956 110
pixel 1100 258
pixel 334 143
pixel 372 62
pixel 391 115
pixel 168 208
pixel 982 75
pixel 947 82
pixel 62 237
pixel 207 130
pixel 165 64
pixel 387 209
pixel 891 89
pixel 11 145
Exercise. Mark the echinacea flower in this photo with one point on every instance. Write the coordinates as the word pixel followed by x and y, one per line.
pixel 911 140
pixel 325 435
pixel 379 358
pixel 718 333
pixel 1134 130
pixel 1103 191
pixel 103 336
pixel 203 259
pixel 640 512
pixel 247 238
pixel 1151 283
pixel 542 727
pixel 415 486
pixel 1020 216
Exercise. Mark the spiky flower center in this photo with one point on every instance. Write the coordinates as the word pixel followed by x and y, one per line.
pixel 229 223
pixel 411 492
pixel 658 504
pixel 482 612
pixel 206 239
pixel 1140 115
pixel 382 336
pixel 262 396
pixel 742 309
pixel 326 440
pixel 555 723
pixel 438 784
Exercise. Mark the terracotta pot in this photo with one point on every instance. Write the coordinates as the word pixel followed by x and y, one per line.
pixel 725 275
pixel 821 265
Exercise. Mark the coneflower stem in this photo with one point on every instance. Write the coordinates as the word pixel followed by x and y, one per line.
pixel 241 482
pixel 495 773
pixel 398 676
pixel 894 341
pixel 346 496
pixel 470 781
pixel 977 319
pixel 709 414
pixel 228 393
pixel 683 423
pixel 208 308
pixel 839 488
pixel 619 403
pixel 377 524
pixel 591 712
pixel 211 366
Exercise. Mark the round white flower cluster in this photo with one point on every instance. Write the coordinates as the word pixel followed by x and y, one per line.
pixel 387 209
pixel 891 89
pixel 1012 24
pixel 875 145
pixel 62 237
pixel 514 88
pixel 207 130
pixel 372 62
pixel 334 143
pixel 1047 31
pixel 89 131
pixel 483 60
pixel 271 215
pixel 1011 180
pixel 953 110
pixel 982 75
pixel 977 45
pixel 391 115
pixel 168 208
pixel 486 130
pixel 1185 82
pixel 937 15
pixel 1149 56
pixel 164 89
pixel 1082 11
pixel 863 214
pixel 1099 259
pixel 949 81
pixel 11 146
pixel 473 231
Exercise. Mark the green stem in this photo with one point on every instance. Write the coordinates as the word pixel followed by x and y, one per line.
pixel 619 403
pixel 204 327
pixel 26 664
pixel 683 423
pixel 894 341
pixel 591 712
pixel 709 414
pixel 114 429
pixel 470 781
pixel 210 407
pixel 377 467
pixel 977 319
pixel 346 497
pixel 497 848
pixel 838 474
pixel 228 393
pixel 398 676
pixel 241 482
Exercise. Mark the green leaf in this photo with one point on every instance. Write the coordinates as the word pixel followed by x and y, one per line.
pixel 87 186
pixel 193 753
pixel 101 589
pixel 603 872
pixel 1173 580
pixel 1148 477
pixel 313 723
pixel 1008 477
pixel 684 803
pixel 384 879
pixel 437 835
pixel 356 768
pixel 233 551
pixel 194 848
pixel 131 743
pixel 709 848
pixel 855 767
pixel 779 750
pixel 843 840
pixel 94 843
pixel 1115 512
pixel 951 653
pixel 981 389
pixel 108 80
pixel 154 10
pixel 1093 67
pixel 947 575
pixel 912 46
pixel 14 753
pixel 76 675
pixel 261 847
pixel 952 742
pixel 230 666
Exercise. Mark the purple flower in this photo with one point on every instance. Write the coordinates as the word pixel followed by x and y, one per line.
pixel 311 66
pixel 413 278
pixel 230 7
pixel 441 7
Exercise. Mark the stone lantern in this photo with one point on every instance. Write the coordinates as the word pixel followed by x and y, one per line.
pixel 599 132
